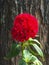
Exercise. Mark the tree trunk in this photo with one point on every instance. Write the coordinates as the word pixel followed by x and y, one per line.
pixel 8 10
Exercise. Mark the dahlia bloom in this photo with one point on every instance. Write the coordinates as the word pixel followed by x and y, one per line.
pixel 25 26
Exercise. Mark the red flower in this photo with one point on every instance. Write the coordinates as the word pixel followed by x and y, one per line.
pixel 24 27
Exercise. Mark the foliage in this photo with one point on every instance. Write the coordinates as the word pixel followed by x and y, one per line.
pixel 28 58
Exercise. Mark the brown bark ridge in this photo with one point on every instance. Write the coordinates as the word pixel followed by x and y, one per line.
pixel 8 10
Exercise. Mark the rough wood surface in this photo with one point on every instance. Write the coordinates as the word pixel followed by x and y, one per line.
pixel 8 10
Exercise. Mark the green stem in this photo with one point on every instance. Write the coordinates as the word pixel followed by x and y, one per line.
pixel 22 49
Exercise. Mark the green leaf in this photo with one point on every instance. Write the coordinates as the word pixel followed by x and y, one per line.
pixel 27 56
pixel 39 51
pixel 30 59
pixel 32 51
pixel 22 62
pixel 14 51
pixel 37 62
pixel 33 41
pixel 36 47
pixel 32 64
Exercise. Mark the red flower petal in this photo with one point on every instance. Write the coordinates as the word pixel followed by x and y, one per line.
pixel 24 27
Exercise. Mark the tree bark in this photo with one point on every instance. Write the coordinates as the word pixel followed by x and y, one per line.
pixel 8 10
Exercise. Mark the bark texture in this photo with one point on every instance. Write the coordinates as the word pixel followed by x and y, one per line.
pixel 8 10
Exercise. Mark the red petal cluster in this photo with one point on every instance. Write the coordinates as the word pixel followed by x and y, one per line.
pixel 24 27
